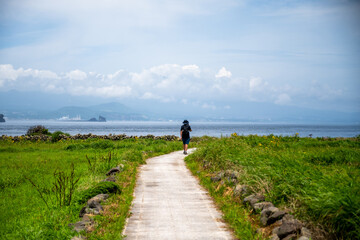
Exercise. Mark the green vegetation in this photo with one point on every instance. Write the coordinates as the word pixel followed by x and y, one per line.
pixel 43 184
pixel 317 180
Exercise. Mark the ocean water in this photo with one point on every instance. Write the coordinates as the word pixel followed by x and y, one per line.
pixel 217 129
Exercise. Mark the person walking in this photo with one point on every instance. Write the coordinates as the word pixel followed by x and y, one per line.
pixel 185 135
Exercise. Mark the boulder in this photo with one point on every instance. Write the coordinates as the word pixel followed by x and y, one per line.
pixel 289 226
pixel 262 205
pixel 265 215
pixel 274 237
pixel 292 236
pixel 275 217
pixel 114 171
pixel 303 238
pixel 241 190
pixel 78 238
pixel 109 179
pixel 254 198
pixel 93 205
pixel 218 177
pixel 98 198
pixel 81 225
pixel 305 232
pixel 275 231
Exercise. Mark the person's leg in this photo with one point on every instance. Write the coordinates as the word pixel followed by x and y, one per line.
pixel 186 147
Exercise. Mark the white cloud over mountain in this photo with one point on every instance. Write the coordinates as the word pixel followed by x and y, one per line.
pixel 165 83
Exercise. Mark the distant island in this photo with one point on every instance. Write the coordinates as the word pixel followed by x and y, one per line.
pixel 78 119
pixel 2 119
pixel 101 119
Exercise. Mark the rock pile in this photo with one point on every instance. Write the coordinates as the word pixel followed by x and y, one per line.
pixel 93 207
pixel 285 226
pixel 87 136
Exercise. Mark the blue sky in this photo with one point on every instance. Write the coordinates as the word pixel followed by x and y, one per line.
pixel 289 52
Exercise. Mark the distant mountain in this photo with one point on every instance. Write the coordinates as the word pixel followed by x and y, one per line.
pixel 37 105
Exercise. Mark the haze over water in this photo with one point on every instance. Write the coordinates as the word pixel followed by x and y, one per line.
pixel 217 129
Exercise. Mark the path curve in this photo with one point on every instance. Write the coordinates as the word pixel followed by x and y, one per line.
pixel 169 203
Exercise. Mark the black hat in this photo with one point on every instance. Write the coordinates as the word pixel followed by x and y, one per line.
pixel 185 121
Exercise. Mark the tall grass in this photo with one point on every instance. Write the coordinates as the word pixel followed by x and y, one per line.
pixel 39 180
pixel 318 180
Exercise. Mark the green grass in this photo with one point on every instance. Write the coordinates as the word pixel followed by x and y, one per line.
pixel 29 208
pixel 317 180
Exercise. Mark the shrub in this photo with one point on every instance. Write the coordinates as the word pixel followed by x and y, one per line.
pixel 101 187
pixel 38 130
pixel 57 136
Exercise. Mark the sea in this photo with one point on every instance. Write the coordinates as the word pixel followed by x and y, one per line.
pixel 216 129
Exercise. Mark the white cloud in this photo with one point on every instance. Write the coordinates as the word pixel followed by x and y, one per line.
pixel 223 73
pixel 283 99
pixel 168 82
pixel 7 72
pixel 76 75
pixel 255 83
pixel 208 106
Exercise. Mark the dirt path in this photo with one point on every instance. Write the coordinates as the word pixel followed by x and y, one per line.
pixel 170 204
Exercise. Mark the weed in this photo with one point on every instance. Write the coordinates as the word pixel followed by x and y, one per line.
pixel 64 186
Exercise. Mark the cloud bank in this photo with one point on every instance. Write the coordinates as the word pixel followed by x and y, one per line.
pixel 167 83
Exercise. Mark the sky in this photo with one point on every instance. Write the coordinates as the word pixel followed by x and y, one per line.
pixel 213 54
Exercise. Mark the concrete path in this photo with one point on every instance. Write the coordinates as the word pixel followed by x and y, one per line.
pixel 170 204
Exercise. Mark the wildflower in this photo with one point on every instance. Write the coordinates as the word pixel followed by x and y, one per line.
pixel 260 144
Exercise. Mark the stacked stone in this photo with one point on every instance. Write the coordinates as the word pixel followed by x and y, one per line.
pixel 286 227
pixel 88 136
pixel 94 207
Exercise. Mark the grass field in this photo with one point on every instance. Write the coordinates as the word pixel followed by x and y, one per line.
pixel 29 206
pixel 317 180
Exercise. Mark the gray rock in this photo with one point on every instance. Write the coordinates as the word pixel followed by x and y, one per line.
pixel 254 198
pixel 98 198
pixel 78 238
pixel 241 190
pixel 82 212
pixel 275 216
pixel 114 171
pixel 290 237
pixel 274 237
pixel 275 230
pixel 305 232
pixel 266 213
pixel 95 205
pixel 109 179
pixel 303 238
pixel 216 179
pixel 80 226
pixel 262 205
pixel 289 226
pixel 231 174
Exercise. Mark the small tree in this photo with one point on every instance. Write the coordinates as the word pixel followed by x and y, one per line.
pixel 38 130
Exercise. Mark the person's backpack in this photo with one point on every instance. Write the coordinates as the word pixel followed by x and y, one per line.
pixel 186 129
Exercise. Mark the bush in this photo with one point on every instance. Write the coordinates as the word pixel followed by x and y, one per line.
pixel 37 130
pixel 56 136
pixel 101 187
